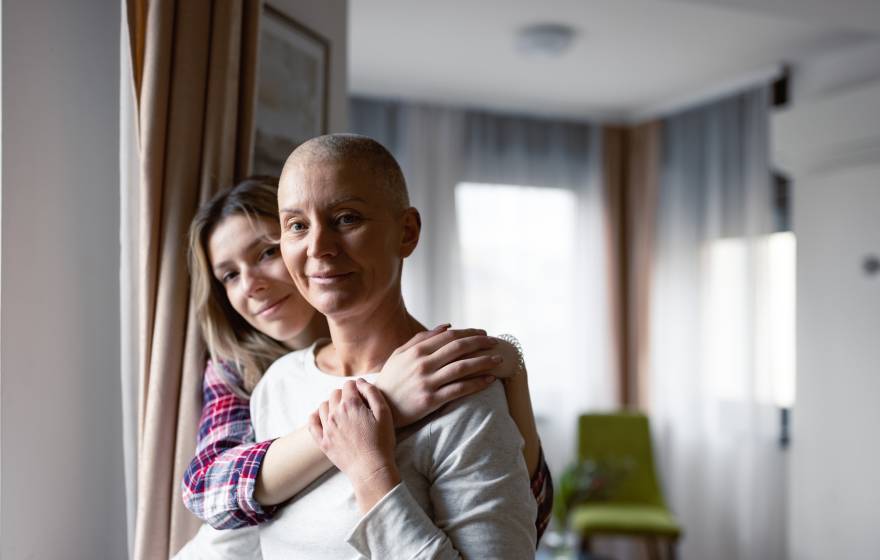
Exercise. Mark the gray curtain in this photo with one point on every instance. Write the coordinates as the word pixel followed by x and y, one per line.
pixel 716 427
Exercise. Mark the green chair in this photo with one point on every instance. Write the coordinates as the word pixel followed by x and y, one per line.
pixel 634 504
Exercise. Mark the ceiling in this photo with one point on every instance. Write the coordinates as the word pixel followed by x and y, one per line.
pixel 630 59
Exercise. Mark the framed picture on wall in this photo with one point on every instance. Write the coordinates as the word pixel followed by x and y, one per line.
pixel 292 89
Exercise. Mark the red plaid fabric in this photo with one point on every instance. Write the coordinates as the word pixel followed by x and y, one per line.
pixel 542 488
pixel 218 486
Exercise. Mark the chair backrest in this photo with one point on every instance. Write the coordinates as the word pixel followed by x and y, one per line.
pixel 622 442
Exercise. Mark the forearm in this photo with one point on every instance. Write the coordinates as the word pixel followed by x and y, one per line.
pixel 519 403
pixel 291 463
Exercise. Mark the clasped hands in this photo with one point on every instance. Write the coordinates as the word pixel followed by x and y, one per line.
pixel 355 427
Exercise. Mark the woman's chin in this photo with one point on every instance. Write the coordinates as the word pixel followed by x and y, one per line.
pixel 333 304
pixel 291 329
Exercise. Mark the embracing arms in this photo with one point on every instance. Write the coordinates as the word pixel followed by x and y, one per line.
pixel 233 481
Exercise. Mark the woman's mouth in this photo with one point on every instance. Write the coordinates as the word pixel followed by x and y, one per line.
pixel 329 279
pixel 272 308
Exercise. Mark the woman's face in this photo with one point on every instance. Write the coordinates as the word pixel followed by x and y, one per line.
pixel 245 259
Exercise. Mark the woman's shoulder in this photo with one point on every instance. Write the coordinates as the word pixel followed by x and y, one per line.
pixel 289 368
pixel 223 372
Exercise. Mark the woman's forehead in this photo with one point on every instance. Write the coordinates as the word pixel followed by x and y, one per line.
pixel 237 234
pixel 325 185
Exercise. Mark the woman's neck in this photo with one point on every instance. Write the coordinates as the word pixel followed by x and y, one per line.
pixel 362 344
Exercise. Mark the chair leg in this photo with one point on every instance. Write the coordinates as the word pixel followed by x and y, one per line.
pixel 586 546
pixel 651 547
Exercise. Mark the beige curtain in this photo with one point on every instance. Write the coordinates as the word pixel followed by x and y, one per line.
pixel 194 70
pixel 630 174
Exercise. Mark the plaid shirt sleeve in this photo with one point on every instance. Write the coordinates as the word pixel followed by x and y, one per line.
pixel 542 488
pixel 218 486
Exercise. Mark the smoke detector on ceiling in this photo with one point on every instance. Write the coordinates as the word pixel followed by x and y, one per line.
pixel 548 40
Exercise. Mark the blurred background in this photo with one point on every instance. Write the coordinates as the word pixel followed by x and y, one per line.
pixel 673 204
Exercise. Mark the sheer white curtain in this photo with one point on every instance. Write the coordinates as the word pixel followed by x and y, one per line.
pixel 552 279
pixel 509 161
pixel 715 422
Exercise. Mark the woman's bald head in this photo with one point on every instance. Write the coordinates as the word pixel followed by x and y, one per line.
pixel 354 149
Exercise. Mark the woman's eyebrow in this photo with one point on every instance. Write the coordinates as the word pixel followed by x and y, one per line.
pixel 250 247
pixel 333 203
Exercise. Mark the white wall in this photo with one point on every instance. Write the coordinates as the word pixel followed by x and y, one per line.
pixel 832 148
pixel 329 18
pixel 835 483
pixel 62 485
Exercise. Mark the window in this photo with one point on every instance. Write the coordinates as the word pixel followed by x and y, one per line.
pixel 533 266
pixel 734 340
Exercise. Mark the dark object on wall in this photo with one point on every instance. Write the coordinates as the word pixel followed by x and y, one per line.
pixel 780 92
pixel 871 265
pixel 781 201
pixel 292 89
pixel 784 427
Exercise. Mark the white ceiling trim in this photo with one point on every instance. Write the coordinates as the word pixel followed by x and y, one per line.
pixel 818 137
pixel 711 93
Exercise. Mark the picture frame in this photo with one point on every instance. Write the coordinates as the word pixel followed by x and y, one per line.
pixel 292 89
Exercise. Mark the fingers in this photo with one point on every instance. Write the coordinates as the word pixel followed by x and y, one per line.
pixel 461 348
pixel 315 428
pixel 462 388
pixel 323 413
pixel 375 400
pixel 350 395
pixel 465 368
pixel 335 398
pixel 437 341
pixel 422 336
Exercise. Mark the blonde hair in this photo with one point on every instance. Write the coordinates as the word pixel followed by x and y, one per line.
pixel 231 340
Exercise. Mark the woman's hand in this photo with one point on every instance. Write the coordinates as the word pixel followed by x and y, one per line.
pixel 438 366
pixel 355 430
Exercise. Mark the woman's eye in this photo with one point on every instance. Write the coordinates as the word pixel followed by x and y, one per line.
pixel 347 219
pixel 269 252
pixel 228 277
pixel 295 226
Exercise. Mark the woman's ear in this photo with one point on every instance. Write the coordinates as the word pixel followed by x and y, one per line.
pixel 412 228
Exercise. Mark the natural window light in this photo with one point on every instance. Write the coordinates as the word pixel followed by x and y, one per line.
pixel 519 271
pixel 732 339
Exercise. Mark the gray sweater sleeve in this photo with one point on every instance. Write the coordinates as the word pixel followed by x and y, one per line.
pixel 482 504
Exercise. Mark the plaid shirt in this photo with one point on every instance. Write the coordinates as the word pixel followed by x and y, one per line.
pixel 218 486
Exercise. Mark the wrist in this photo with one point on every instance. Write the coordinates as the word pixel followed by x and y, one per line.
pixel 367 476
pixel 396 416
pixel 371 487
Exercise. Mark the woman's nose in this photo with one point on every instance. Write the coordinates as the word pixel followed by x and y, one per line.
pixel 252 281
pixel 322 242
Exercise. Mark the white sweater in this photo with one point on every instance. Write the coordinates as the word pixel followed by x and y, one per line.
pixel 464 492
